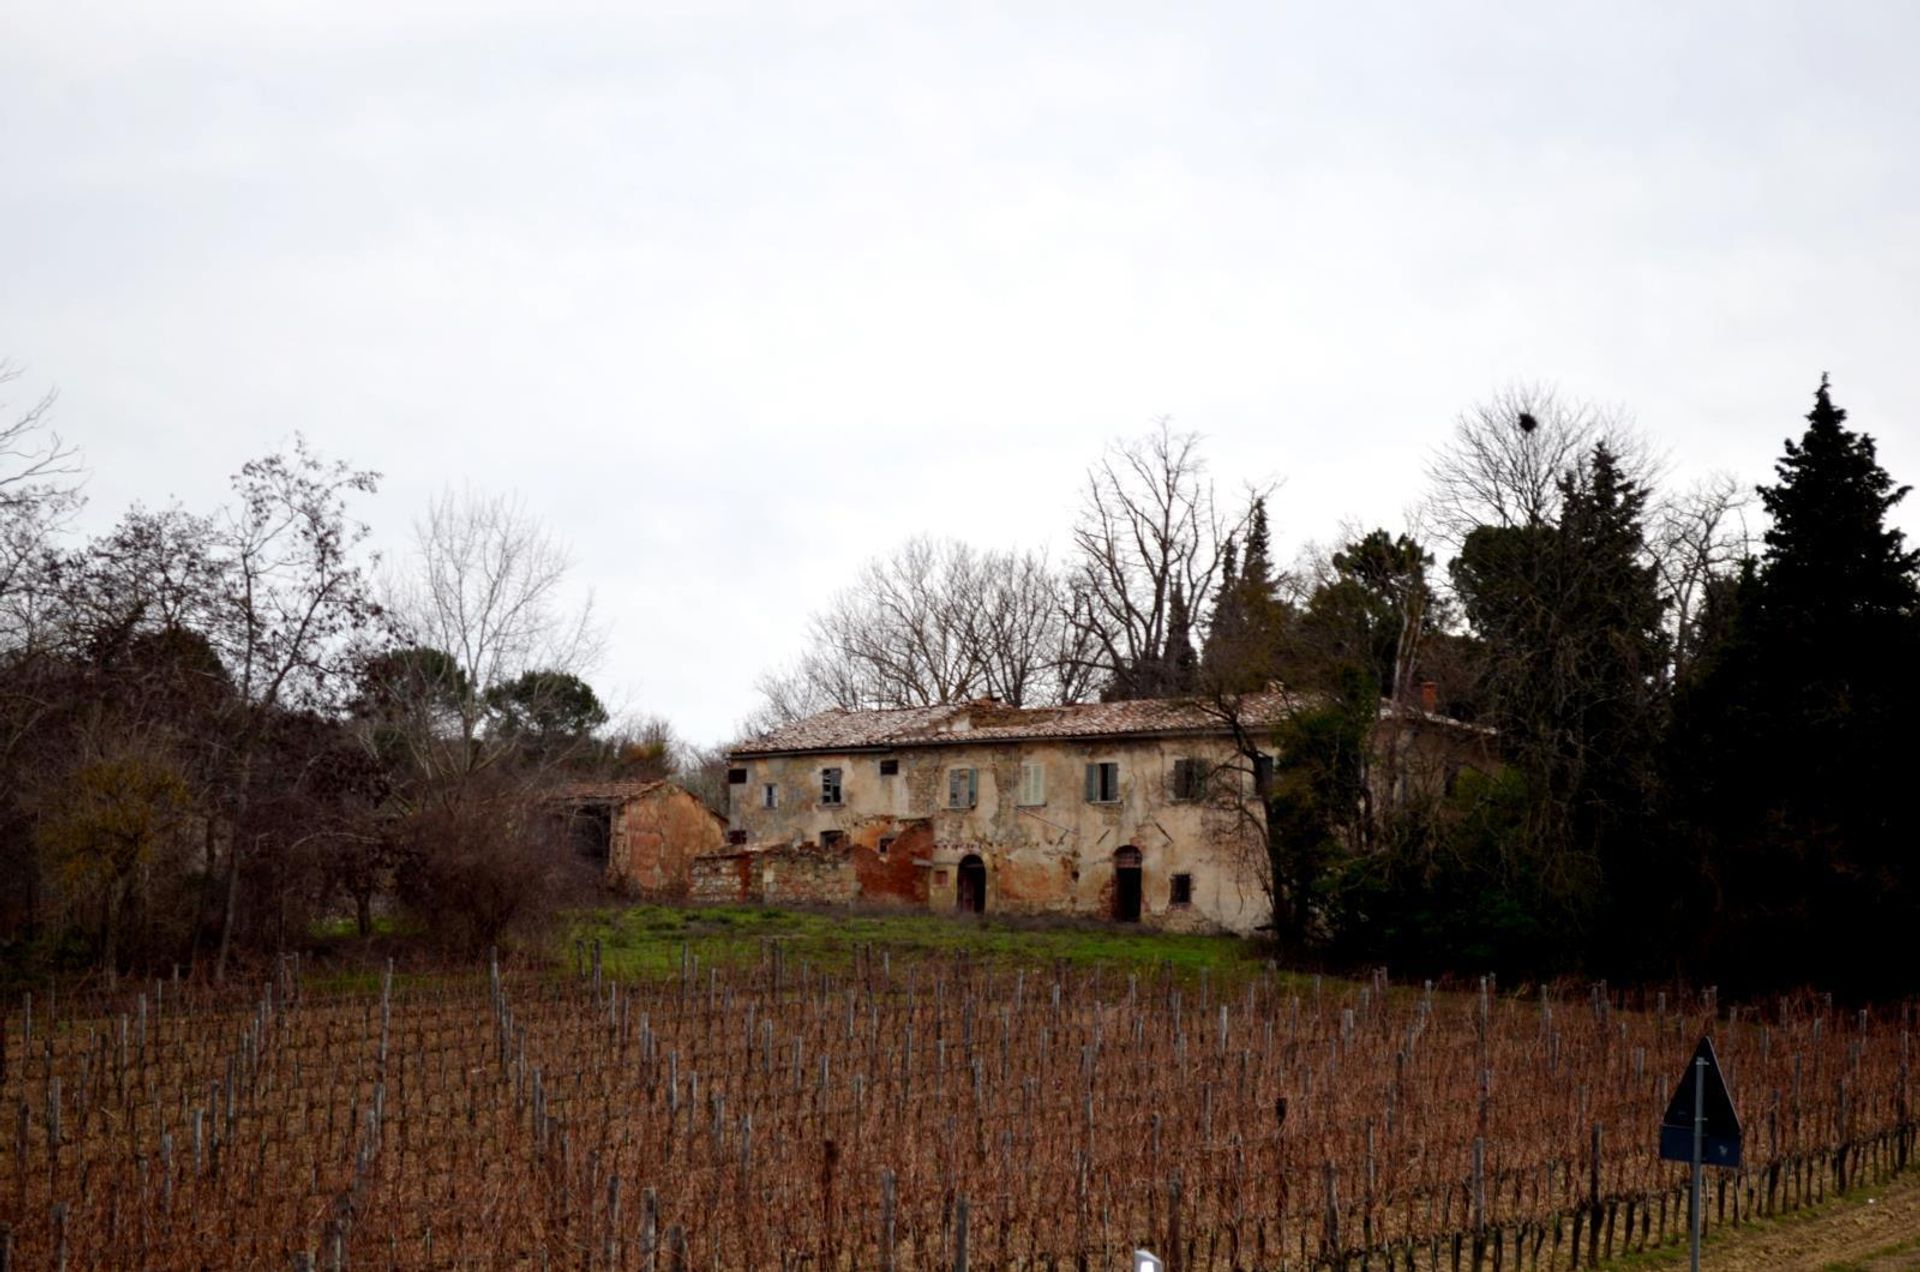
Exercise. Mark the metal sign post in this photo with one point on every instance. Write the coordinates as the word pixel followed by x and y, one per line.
pixel 1699 1136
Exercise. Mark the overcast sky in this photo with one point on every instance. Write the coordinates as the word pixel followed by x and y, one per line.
pixel 738 295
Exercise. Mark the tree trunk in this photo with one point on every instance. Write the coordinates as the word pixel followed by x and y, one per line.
pixel 109 937
pixel 227 908
pixel 229 905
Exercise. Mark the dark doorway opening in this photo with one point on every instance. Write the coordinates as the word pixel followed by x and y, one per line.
pixel 970 885
pixel 591 830
pixel 1126 885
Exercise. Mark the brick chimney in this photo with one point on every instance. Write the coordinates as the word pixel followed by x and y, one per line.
pixel 1429 697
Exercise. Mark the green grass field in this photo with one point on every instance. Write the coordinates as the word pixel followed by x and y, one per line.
pixel 646 940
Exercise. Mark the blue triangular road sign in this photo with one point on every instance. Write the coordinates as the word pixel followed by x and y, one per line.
pixel 1720 1138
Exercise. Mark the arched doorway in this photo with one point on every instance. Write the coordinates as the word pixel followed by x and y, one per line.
pixel 1126 885
pixel 970 888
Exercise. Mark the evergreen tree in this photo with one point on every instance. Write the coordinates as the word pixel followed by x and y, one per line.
pixel 1180 664
pixel 1373 613
pixel 1571 616
pixel 1792 750
pixel 1245 645
pixel 1256 571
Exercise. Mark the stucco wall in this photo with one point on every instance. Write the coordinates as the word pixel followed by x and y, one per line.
pixel 656 837
pixel 1053 857
pixel 1059 855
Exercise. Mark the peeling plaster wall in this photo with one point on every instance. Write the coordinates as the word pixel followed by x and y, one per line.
pixel 1056 857
pixel 655 838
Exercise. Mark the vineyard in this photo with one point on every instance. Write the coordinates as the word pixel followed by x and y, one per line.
pixel 902 1113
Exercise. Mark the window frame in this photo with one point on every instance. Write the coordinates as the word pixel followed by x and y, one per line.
pixel 973 788
pixel 833 788
pixel 1098 790
pixel 770 795
pixel 1180 890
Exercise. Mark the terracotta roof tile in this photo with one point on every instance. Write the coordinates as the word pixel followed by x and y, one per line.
pixel 988 721
pixel 616 789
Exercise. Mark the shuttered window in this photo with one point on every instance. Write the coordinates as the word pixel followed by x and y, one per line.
pixel 1033 784
pixel 963 787
pixel 1189 779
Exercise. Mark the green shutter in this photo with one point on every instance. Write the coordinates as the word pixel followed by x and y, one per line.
pixel 973 787
pixel 1093 783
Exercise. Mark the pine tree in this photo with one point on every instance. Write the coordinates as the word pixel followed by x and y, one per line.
pixel 1377 598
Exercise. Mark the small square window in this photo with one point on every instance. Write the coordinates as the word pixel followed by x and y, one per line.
pixel 736 777
pixel 963 787
pixel 833 840
pixel 889 768
pixel 1181 892
pixel 886 846
pixel 829 786
pixel 770 795
pixel 736 837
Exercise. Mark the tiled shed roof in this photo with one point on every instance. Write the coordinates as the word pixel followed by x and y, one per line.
pixel 611 789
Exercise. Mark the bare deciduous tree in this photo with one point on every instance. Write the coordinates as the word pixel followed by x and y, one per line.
pixel 790 694
pixel 903 630
pixel 1696 538
pixel 1504 463
pixel 39 493
pixel 937 621
pixel 487 587
pixel 288 599
pixel 1148 528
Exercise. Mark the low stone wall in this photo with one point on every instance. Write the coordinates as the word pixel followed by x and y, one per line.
pixel 728 878
pixel 797 876
pixel 803 875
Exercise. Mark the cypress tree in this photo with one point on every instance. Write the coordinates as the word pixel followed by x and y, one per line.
pixel 1180 665
pixel 1245 641
pixel 1795 740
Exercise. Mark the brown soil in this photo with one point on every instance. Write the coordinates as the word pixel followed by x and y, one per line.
pixel 1870 1230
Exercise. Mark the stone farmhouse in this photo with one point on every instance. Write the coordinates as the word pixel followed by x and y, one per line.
pixel 1138 811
